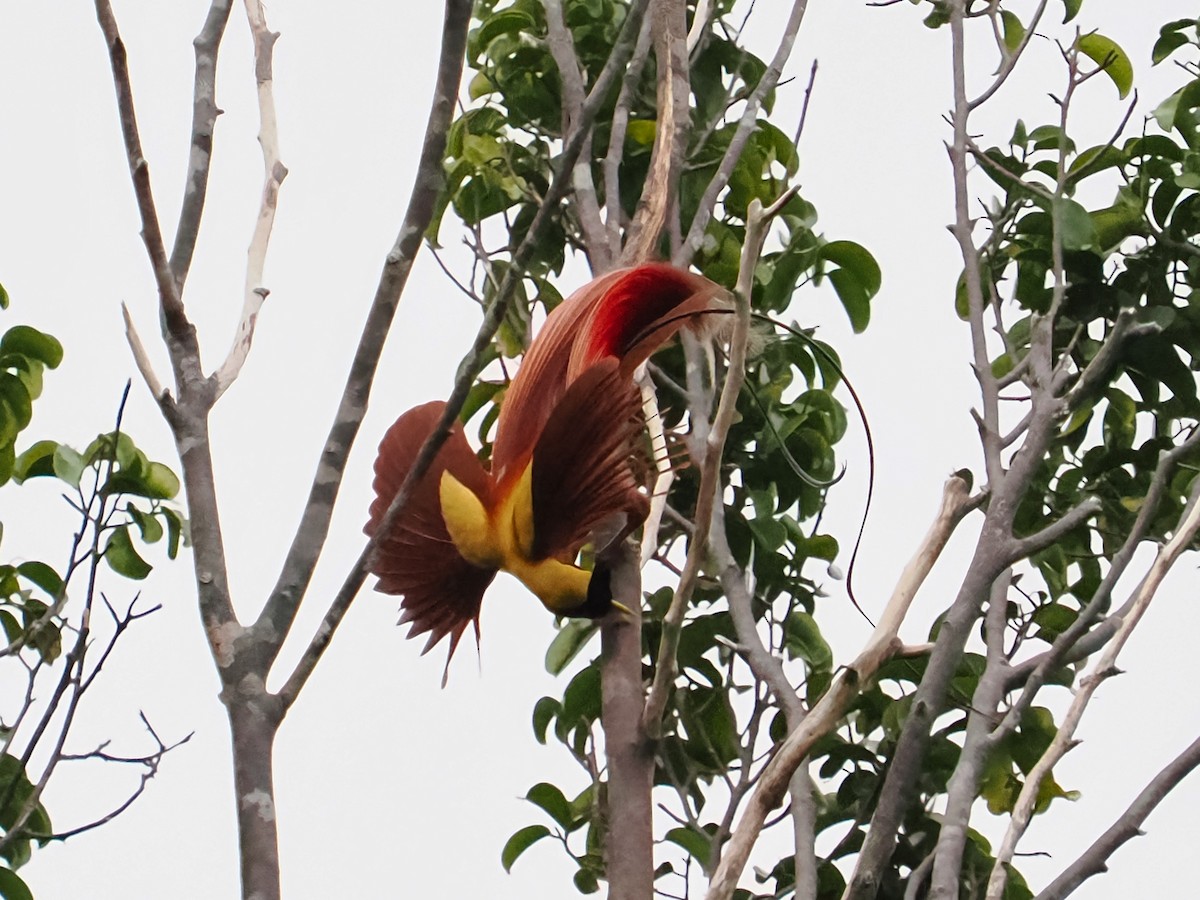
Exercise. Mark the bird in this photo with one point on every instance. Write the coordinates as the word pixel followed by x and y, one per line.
pixel 560 477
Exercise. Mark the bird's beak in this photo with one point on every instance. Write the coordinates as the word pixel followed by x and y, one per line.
pixel 622 609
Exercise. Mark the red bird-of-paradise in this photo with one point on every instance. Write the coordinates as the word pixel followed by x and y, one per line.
pixel 560 476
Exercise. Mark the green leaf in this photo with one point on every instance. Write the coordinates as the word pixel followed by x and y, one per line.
pixel 585 881
pixel 854 298
pixel 1105 52
pixel 698 846
pixel 856 259
pixel 581 699
pixel 1167 43
pixel 821 546
pixel 149 526
pixel 3 297
pixel 544 712
pixel 122 558
pixel 641 131
pixel 36 461
pixel 1014 31
pixel 802 638
pixel 1171 38
pixel 551 800
pixel 12 628
pixel 162 483
pixel 504 22
pixel 16 400
pixel 114 447
pixel 43 576
pixel 30 342
pixel 68 465
pixel 11 885
pixel 520 842
pixel 571 638
pixel 1071 9
pixel 1078 229
pixel 8 459
pixel 175 531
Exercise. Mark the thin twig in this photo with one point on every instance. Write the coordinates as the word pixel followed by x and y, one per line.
pixel 141 358
pixel 616 139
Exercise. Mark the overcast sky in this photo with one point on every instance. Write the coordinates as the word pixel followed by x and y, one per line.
pixel 386 785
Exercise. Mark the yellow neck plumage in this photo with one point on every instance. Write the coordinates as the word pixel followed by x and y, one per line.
pixel 502 538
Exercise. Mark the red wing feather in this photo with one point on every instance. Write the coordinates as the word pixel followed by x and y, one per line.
pixel 581 473
pixel 639 312
pixel 441 591
pixel 541 380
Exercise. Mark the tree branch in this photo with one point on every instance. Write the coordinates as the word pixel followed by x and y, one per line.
pixel 175 320
pixel 670 136
pixel 616 139
pixel 280 610
pixel 629 847
pixel 275 172
pixel 1093 861
pixel 1023 548
pixel 204 120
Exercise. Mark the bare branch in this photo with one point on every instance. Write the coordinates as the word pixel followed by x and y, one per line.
pixel 1093 861
pixel 963 786
pixel 275 172
pixel 629 849
pixel 1010 58
pixel 175 320
pixel 1025 547
pixel 670 137
pixel 963 226
pixel 204 119
pixel 141 358
pixel 1096 375
pixel 1076 642
pixel 699 25
pixel 808 92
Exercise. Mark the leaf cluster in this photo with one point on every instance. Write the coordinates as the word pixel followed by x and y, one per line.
pixel 119 494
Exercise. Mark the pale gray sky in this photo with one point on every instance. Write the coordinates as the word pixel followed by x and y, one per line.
pixel 388 786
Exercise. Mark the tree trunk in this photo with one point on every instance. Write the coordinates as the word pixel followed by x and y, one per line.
pixel 253 723
pixel 629 846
